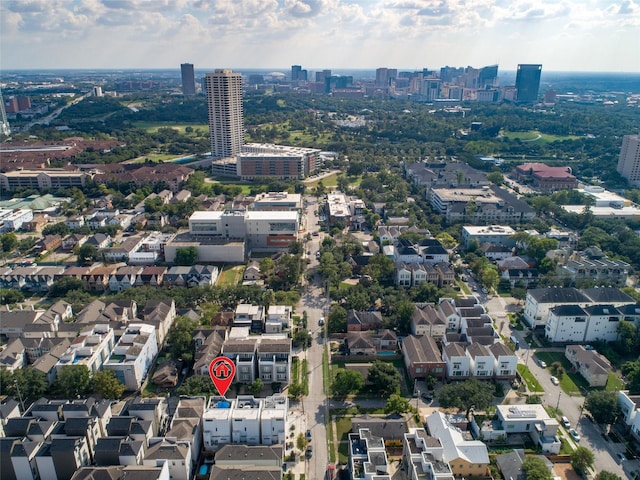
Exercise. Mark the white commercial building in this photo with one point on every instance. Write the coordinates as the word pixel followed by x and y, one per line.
pixel 492 234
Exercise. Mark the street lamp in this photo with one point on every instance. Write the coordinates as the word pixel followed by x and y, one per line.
pixel 558 403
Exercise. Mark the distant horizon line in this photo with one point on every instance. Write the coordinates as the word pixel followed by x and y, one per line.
pixel 276 69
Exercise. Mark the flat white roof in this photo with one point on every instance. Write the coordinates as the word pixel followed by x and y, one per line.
pixel 206 215
pixel 628 212
pixel 489 230
pixel 271 215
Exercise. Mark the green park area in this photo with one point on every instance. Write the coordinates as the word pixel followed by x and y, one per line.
pixel 535 136
pixel 153 127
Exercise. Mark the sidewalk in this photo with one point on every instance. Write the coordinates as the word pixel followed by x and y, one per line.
pixel 298 420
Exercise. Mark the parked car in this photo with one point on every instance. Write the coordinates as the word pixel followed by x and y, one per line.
pixel 309 452
pixel 574 434
pixel 621 456
pixel 308 435
pixel 427 397
pixel 565 422
pixel 542 364
pixel 555 381
pixel 321 321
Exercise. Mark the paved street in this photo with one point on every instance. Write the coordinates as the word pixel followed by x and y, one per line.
pixel 314 406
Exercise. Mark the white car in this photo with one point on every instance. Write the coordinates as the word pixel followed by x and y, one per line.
pixel 574 434
pixel 542 364
pixel 565 422
pixel 555 381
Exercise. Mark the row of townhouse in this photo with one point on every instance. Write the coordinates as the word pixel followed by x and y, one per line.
pixel 266 357
pixel 458 360
pixel 55 439
pixel 245 420
pixel 579 315
pixel 413 274
pixel 114 277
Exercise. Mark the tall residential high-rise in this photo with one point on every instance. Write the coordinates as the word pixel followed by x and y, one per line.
pixel 629 160
pixel 224 101
pixel 528 82
pixel 188 79
pixel 4 124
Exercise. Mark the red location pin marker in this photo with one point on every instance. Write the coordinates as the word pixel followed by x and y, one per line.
pixel 222 370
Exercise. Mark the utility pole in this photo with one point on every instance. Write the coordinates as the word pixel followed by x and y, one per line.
pixel 19 395
pixel 558 403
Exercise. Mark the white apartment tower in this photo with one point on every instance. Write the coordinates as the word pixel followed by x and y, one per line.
pixel 224 101
pixel 629 161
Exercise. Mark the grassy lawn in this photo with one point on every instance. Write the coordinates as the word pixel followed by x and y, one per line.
pixel 326 372
pixel 305 376
pixel 343 427
pixel 529 379
pixel 569 382
pixel 329 181
pixel 153 127
pixel 230 276
pixel 534 136
pixel 463 286
pixel 614 383
pixel 155 157
pixel 330 445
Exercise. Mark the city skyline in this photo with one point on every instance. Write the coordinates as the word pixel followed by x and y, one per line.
pixel 568 35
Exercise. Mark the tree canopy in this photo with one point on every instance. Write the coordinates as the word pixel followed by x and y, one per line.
pixel 465 395
pixel 603 406
pixel 384 378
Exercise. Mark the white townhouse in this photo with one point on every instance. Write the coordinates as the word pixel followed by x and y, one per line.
pixel 482 361
pixel 458 363
pixel 133 355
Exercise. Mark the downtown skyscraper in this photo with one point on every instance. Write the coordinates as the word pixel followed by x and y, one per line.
pixel 188 79
pixel 528 82
pixel 224 102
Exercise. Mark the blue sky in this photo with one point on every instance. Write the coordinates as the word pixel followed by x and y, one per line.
pixel 569 35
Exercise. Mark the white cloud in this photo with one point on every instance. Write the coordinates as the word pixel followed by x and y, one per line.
pixel 359 33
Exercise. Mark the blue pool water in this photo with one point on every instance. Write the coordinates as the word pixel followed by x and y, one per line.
pixel 386 353
pixel 203 470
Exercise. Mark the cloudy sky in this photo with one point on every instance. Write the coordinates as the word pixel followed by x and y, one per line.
pixel 563 35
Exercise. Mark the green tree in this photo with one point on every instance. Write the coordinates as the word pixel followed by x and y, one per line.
pixel 180 338
pixel 186 256
pixel 582 459
pixel 446 240
pixel 107 385
pixel 10 296
pixel 628 337
pixel 384 378
pixel 9 241
pixel 87 253
pixel 31 382
pixel 465 395
pixel 255 387
pixel 604 475
pixel 397 404
pixel 495 177
pixel 489 277
pixel 198 385
pixel 64 285
pixel 346 382
pixel 603 406
pixel 380 268
pixel 296 390
pixel 536 469
pixel 337 320
pixel 73 380
pixel 301 442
